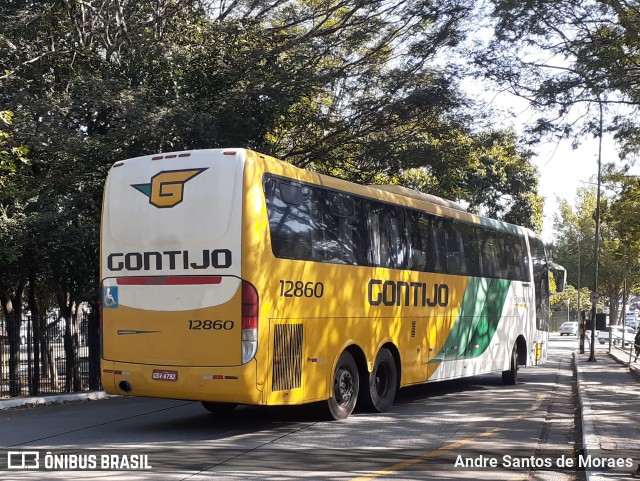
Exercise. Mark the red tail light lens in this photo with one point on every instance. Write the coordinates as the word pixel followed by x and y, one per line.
pixel 250 307
pixel 250 310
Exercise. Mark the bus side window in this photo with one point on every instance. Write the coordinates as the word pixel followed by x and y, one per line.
pixel 380 244
pixel 437 258
pixel 290 219
pixel 419 240
pixel 353 233
pixel 339 237
pixel 540 282
pixel 455 253
pixel 387 235
pixel 518 265
pixel 427 236
pixel 513 257
pixel 373 223
pixel 398 239
pixel 491 266
pixel 471 236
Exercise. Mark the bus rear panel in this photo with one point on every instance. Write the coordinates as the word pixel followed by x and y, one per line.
pixel 178 321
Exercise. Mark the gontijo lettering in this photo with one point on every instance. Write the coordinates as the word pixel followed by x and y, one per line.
pixel 147 261
pixel 400 293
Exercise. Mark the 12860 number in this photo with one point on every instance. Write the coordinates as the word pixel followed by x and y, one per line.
pixel 209 325
pixel 301 289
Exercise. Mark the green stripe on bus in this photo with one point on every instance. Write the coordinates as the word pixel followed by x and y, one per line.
pixel 477 320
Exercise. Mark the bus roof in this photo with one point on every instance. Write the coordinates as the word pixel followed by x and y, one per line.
pixel 394 194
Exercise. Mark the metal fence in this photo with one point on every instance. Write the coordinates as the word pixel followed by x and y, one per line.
pixel 48 355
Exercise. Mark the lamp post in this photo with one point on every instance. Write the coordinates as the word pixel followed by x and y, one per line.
pixel 573 234
pixel 594 299
pixel 579 317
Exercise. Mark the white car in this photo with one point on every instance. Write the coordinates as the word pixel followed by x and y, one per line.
pixel 569 328
pixel 616 335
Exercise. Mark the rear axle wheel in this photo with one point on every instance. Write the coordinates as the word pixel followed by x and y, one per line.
pixel 510 377
pixel 346 385
pixel 383 383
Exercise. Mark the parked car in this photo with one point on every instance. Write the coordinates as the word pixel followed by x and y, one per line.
pixel 616 335
pixel 632 323
pixel 570 328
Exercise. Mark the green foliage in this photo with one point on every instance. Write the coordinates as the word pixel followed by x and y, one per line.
pixel 568 58
pixel 559 301
pixel 10 155
pixel 619 250
pixel 348 87
pixel 488 171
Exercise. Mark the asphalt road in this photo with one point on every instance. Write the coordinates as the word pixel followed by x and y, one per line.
pixel 443 431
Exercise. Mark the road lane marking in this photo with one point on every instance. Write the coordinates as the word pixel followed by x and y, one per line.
pixel 449 447
pixel 423 457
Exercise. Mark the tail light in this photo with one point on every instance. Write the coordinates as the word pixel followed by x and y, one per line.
pixel 250 310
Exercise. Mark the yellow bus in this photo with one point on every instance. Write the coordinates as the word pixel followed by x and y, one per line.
pixel 230 277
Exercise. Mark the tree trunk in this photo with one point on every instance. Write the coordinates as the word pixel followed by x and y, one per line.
pixel 12 307
pixel 34 387
pixel 71 345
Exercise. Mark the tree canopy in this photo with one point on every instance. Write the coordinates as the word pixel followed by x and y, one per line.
pixel 568 58
pixel 352 88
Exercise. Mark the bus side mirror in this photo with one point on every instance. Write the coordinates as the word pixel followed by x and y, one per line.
pixel 560 276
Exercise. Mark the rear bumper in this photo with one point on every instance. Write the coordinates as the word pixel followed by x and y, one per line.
pixel 236 384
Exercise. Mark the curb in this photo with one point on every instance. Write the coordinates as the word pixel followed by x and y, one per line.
pixel 589 439
pixel 56 399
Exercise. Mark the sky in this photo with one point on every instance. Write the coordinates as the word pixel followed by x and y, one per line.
pixel 562 169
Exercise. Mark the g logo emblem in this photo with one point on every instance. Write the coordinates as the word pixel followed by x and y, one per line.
pixel 167 188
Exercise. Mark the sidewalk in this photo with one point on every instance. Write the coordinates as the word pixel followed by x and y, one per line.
pixel 51 399
pixel 609 392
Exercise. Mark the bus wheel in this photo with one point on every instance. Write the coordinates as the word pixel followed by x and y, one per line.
pixel 383 383
pixel 345 388
pixel 510 377
pixel 218 408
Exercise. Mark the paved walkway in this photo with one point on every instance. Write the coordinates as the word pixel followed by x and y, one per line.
pixel 609 390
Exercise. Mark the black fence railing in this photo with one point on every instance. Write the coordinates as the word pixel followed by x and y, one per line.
pixel 48 355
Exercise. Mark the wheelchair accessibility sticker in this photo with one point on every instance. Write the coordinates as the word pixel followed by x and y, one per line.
pixel 109 297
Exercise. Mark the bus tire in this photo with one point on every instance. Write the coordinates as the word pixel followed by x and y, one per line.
pixel 344 392
pixel 510 377
pixel 383 383
pixel 218 408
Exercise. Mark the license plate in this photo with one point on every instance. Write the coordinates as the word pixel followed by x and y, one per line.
pixel 160 375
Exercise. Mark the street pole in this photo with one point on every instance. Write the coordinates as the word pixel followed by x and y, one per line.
pixel 594 300
pixel 580 319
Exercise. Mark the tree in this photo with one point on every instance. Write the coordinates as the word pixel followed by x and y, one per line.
pixel 9 155
pixel 621 216
pixel 493 175
pixel 568 58
pixel 574 237
pixel 619 253
pixel 347 87
pixel 559 301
